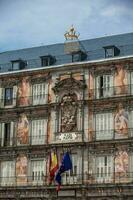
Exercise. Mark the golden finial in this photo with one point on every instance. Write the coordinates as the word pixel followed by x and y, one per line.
pixel 71 34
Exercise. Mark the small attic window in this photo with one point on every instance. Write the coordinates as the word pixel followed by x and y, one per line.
pixel 111 51
pixel 47 60
pixel 78 56
pixel 18 65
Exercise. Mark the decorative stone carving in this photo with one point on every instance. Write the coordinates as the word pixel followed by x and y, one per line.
pixel 68 84
pixel 69 113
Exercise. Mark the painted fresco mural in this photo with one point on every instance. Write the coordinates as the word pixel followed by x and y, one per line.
pixel 22 131
pixel 91 86
pixel 90 130
pixel 121 122
pixel 121 166
pixel 24 92
pixel 120 80
pixel 21 169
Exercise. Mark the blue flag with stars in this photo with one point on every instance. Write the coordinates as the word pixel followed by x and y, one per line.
pixel 66 164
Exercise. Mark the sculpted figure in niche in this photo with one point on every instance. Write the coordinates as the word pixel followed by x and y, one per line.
pixel 120 80
pixel 22 130
pixel 24 92
pixel 121 121
pixel 69 113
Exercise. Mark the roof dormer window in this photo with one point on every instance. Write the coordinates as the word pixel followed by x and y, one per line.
pixel 111 51
pixel 18 65
pixel 47 60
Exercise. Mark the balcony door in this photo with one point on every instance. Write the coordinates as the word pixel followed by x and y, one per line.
pixel 104 126
pixel 38 131
pixel 104 169
pixel 7 173
pixel 38 94
pixel 104 86
pixel 37 171
pixel 73 176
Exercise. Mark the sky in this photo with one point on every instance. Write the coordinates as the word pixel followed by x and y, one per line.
pixel 29 23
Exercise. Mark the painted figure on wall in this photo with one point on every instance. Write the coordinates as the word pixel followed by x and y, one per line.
pixel 22 130
pixel 91 86
pixel 91 130
pixel 69 113
pixel 24 93
pixel 120 80
pixel 121 166
pixel 121 122
pixel 21 169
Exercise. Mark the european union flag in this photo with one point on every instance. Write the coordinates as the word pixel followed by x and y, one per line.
pixel 66 164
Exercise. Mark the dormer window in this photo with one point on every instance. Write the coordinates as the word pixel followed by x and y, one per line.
pixel 18 65
pixel 78 56
pixel 111 51
pixel 47 60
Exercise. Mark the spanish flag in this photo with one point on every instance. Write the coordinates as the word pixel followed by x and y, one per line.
pixel 53 166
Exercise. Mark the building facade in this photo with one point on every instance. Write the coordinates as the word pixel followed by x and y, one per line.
pixel 80 102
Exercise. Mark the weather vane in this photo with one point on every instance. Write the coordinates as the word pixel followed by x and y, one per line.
pixel 71 34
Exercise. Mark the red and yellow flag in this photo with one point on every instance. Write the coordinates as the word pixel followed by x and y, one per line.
pixel 53 166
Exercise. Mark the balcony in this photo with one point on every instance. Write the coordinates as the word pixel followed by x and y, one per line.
pixel 68 137
pixel 112 134
pixel 20 141
pixel 109 92
pixel 24 101
pixel 69 180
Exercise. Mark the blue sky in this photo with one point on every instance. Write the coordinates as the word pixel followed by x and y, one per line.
pixel 28 23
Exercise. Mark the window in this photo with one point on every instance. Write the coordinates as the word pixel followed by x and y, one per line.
pixel 104 86
pixel 18 65
pixel 6 130
pixel 131 83
pixel 111 51
pixel 8 96
pixel 38 131
pixel 38 91
pixel 7 173
pixel 37 171
pixel 104 126
pixel 15 65
pixel 104 169
pixel 8 100
pixel 7 134
pixel 47 60
pixel 78 56
pixel 70 177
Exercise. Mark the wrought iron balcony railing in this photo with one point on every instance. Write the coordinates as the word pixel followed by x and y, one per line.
pixel 108 92
pixel 70 137
pixel 112 134
pixel 67 179
pixel 99 93
pixel 23 140
pixel 24 101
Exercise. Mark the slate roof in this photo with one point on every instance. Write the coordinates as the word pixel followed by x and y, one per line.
pixel 93 48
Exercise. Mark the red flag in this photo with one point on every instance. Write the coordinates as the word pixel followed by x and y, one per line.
pixel 53 166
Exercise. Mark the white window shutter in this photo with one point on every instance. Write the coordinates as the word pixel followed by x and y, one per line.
pixel 39 93
pixel 2 133
pixel 97 88
pixel 11 133
pixel 14 94
pixel 46 92
pixel 2 90
pixel 131 83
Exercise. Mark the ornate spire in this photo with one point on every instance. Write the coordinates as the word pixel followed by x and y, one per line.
pixel 71 34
